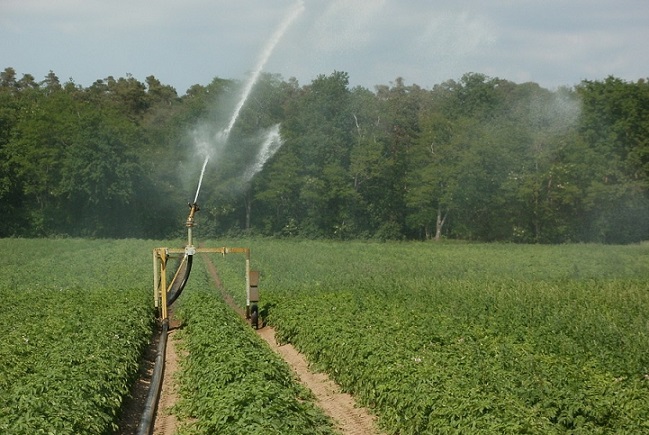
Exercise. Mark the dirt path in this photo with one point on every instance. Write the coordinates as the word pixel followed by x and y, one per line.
pixel 166 422
pixel 350 418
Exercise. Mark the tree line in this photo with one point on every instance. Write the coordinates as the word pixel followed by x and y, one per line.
pixel 477 158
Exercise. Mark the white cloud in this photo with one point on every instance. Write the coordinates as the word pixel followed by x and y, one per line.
pixel 192 41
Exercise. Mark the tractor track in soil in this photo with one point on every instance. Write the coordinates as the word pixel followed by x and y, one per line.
pixel 350 418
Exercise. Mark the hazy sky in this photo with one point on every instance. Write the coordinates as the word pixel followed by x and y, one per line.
pixel 426 42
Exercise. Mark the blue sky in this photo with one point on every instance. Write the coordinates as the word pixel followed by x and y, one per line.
pixel 552 42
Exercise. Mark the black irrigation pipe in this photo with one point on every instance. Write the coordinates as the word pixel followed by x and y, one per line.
pixel 180 280
pixel 148 415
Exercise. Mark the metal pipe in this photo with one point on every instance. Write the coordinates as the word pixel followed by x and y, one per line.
pixel 193 208
pixel 163 285
pixel 247 281
pixel 156 279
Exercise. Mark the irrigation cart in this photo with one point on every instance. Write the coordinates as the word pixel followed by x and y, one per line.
pixel 167 287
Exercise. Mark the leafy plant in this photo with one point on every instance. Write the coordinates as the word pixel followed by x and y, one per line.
pixel 230 382
pixel 76 319
pixel 471 338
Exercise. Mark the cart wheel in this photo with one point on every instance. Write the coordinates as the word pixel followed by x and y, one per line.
pixel 254 316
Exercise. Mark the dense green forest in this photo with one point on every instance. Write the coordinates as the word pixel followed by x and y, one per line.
pixel 477 158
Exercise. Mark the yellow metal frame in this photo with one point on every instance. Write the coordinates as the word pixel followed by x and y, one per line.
pixel 161 257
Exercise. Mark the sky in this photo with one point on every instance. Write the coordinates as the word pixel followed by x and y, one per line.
pixel 425 42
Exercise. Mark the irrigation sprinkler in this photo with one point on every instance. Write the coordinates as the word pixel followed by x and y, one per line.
pixel 165 290
pixel 168 286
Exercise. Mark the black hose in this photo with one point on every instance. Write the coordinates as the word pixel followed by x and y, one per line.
pixel 148 416
pixel 178 284
pixel 176 288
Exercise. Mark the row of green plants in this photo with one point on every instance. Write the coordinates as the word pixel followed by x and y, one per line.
pixel 230 381
pixel 440 338
pixel 69 358
pixel 471 338
pixel 77 315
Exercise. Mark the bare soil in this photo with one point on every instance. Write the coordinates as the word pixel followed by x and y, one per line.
pixel 350 418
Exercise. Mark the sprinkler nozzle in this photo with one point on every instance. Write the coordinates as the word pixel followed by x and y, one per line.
pixel 193 208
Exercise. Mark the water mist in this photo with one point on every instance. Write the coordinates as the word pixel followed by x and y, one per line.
pixel 272 142
pixel 221 138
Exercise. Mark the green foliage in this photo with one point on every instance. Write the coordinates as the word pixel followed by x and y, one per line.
pixel 231 383
pixel 74 165
pixel 435 338
pixel 615 123
pixel 465 338
pixel 76 319
pixel 478 158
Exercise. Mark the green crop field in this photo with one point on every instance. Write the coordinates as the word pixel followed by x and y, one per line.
pixel 434 338
pixel 76 316
pixel 469 338
pixel 231 382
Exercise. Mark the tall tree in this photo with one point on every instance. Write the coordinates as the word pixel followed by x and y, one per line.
pixel 433 176
pixel 400 109
pixel 277 191
pixel 318 129
pixel 368 162
pixel 615 123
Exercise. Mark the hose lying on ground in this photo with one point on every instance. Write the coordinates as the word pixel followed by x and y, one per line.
pixel 180 279
pixel 148 416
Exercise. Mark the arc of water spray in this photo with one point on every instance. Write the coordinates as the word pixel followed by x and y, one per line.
pixel 272 142
pixel 265 55
pixel 268 50
pixel 200 180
